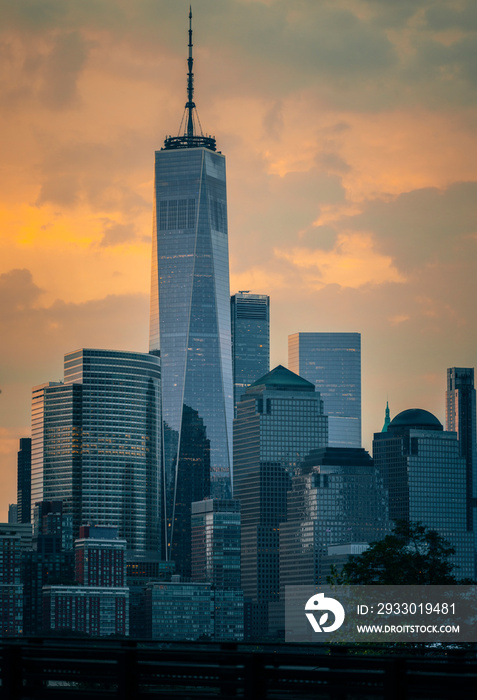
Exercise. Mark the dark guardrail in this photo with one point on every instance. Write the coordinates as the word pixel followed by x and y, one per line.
pixel 43 669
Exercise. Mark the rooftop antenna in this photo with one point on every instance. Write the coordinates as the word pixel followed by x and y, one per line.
pixel 190 85
pixel 187 138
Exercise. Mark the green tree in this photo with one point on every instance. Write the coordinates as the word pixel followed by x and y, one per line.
pixel 411 555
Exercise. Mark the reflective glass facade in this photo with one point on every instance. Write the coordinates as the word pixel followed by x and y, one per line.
pixel 279 421
pixel 425 476
pixel 216 542
pixel 337 497
pixel 96 443
pixel 250 316
pixel 332 362
pixel 190 327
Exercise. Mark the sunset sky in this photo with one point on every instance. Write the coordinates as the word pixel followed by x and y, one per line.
pixel 349 128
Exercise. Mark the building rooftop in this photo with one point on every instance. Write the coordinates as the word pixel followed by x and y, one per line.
pixel 415 418
pixel 282 378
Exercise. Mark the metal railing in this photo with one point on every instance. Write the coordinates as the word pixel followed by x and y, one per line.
pixel 42 669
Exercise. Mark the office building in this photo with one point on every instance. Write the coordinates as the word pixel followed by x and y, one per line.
pixel 332 362
pixel 14 540
pixel 140 571
pixel 99 604
pixel 12 514
pixel 337 498
pixel 250 317
pixel 182 611
pixel 216 543
pixel 190 324
pixel 100 557
pixel 24 481
pixel 279 421
pixel 425 476
pixel 96 443
pixel 50 561
pixel 461 418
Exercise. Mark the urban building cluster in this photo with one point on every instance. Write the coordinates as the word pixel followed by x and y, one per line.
pixel 174 494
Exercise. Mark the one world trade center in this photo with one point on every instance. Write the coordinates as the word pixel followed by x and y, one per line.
pixel 190 324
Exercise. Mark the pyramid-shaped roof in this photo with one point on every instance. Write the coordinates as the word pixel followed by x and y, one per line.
pixel 283 378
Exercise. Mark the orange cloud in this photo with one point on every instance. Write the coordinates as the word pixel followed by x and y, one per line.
pixel 352 263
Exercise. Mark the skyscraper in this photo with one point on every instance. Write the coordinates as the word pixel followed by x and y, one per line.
pixel 250 316
pixel 96 443
pixel 337 497
pixel 332 362
pixel 24 481
pixel 461 418
pixel 425 476
pixel 279 421
pixel 190 322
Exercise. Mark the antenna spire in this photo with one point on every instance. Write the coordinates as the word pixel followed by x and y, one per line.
pixel 190 85
pixel 187 138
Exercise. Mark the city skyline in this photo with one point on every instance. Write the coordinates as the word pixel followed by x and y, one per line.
pixel 349 133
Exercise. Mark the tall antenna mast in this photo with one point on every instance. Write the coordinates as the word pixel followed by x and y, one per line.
pixel 190 85
pixel 187 138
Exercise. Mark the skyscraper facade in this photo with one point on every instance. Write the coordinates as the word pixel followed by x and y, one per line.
pixel 461 418
pixel 332 362
pixel 425 476
pixel 216 542
pixel 190 324
pixel 24 481
pixel 337 497
pixel 96 443
pixel 279 421
pixel 250 316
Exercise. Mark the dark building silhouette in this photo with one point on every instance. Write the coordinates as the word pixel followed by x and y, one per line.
pixel 279 421
pixel 250 316
pixel 425 476
pixel 461 418
pixel 51 561
pixel 24 481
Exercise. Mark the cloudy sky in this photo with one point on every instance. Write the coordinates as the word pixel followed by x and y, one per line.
pixel 349 128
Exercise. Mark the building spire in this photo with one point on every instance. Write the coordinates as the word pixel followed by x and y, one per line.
pixel 187 138
pixel 190 84
pixel 387 419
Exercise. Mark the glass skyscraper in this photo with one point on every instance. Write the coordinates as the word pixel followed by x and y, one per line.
pixel 96 443
pixel 190 325
pixel 332 362
pixel 425 476
pixel 250 316
pixel 279 421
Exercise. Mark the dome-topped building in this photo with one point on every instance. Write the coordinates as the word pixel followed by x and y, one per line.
pixel 415 419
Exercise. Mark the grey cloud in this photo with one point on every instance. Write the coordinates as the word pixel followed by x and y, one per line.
pixel 449 15
pixel 94 172
pixel 116 234
pixel 35 338
pixel 17 291
pixel 424 225
pixel 61 70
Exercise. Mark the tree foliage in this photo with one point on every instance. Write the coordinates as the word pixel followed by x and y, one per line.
pixel 411 555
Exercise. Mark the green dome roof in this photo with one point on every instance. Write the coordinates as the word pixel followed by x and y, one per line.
pixel 415 418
